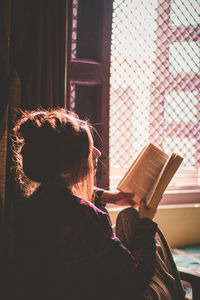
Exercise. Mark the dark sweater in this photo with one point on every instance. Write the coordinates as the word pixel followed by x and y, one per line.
pixel 65 248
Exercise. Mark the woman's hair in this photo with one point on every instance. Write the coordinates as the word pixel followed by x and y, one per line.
pixel 53 146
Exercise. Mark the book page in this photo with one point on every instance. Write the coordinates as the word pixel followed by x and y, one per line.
pixel 144 171
pixel 172 164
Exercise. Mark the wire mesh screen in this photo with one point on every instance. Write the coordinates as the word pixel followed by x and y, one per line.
pixel 155 82
pixel 74 28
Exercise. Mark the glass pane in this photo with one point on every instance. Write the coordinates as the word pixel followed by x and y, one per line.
pixel 84 102
pixel 86 29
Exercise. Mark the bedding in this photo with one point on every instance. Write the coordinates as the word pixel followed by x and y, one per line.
pixel 188 259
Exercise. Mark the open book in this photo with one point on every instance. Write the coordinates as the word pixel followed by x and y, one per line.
pixel 150 174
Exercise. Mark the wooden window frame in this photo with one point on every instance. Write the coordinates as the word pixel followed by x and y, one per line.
pixel 90 72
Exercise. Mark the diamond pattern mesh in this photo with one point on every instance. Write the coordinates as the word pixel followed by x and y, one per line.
pixel 74 28
pixel 155 79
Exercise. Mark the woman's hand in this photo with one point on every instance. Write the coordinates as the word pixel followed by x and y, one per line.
pixel 145 211
pixel 118 198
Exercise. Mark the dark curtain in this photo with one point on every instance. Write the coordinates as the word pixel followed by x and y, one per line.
pixel 32 75
pixel 4 88
pixel 36 35
pixel 38 39
pixel 4 54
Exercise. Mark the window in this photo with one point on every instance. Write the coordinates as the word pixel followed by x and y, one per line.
pixel 155 84
pixel 154 49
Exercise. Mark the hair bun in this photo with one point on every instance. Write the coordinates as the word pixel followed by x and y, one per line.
pixel 29 131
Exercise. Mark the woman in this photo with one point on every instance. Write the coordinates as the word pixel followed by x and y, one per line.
pixel 65 247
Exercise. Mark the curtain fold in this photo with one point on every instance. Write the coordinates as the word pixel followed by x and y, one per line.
pixel 32 75
pixel 3 159
pixel 38 39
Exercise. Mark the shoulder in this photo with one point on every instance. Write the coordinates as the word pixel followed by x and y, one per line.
pixel 91 210
pixel 97 222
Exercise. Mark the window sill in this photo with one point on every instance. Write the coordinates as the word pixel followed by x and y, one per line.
pixel 117 208
pixel 181 196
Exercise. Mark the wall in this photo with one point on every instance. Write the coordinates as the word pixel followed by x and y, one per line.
pixel 179 223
